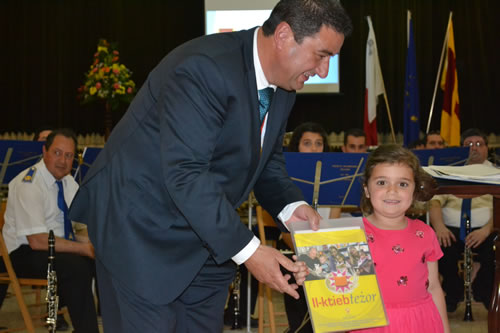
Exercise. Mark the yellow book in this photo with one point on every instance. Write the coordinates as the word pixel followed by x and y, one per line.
pixel 341 289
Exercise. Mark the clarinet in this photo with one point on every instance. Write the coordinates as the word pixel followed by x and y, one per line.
pixel 51 298
pixel 468 272
pixel 236 301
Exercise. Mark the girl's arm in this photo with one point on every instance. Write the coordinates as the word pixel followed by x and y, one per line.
pixel 437 293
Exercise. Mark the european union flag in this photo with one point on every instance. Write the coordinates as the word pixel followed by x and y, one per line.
pixel 411 100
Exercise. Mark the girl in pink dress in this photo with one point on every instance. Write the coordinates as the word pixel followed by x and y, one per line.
pixel 405 251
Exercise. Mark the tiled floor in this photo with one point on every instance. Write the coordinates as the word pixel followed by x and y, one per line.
pixel 11 317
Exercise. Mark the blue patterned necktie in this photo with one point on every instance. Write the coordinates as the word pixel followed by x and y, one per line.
pixel 265 97
pixel 61 203
pixel 464 215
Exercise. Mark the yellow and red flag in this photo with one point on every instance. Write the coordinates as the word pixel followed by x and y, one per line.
pixel 450 115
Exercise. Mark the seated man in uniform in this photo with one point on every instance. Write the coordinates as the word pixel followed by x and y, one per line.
pixel 445 214
pixel 37 203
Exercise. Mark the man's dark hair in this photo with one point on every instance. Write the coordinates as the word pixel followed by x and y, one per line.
pixel 306 17
pixel 355 132
pixel 474 132
pixel 40 130
pixel 66 132
pixel 307 127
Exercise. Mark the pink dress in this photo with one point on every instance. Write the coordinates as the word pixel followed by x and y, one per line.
pixel 400 258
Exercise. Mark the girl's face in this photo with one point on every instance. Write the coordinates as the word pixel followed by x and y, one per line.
pixel 311 142
pixel 390 189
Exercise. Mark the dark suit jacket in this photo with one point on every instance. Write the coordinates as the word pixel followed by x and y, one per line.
pixel 161 196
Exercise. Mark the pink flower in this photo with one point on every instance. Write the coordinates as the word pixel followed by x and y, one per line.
pixel 98 85
pixel 116 86
pixel 116 52
pixel 94 70
pixel 129 90
pixel 116 71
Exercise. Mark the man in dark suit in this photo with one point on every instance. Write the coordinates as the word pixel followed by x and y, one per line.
pixel 160 199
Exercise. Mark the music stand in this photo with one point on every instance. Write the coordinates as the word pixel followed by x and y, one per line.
pixel 447 156
pixel 85 162
pixel 16 156
pixel 328 179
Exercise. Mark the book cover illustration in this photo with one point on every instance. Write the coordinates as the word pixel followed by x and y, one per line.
pixel 341 289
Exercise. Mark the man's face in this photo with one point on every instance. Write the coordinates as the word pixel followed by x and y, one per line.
pixel 311 57
pixel 313 253
pixel 59 157
pixel 434 141
pixel 478 151
pixel 354 144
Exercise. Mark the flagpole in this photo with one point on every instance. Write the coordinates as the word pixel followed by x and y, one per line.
pixel 389 116
pixel 439 72
pixel 408 18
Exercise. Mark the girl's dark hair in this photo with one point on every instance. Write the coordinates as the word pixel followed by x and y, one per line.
pixel 293 146
pixel 425 185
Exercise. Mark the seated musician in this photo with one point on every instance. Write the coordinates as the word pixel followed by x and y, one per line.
pixel 445 216
pixel 37 202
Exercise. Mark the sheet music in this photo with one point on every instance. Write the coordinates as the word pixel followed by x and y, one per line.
pixel 480 173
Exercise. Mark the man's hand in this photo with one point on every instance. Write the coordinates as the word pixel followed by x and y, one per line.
pixel 88 250
pixel 476 237
pixel 445 236
pixel 306 213
pixel 264 265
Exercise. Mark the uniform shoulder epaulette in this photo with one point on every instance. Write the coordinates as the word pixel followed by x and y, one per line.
pixel 30 175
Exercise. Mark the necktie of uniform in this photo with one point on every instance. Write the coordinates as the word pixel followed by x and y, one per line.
pixel 61 203
pixel 265 97
pixel 464 216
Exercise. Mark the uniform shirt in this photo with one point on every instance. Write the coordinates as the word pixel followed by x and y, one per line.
pixel 32 205
pixel 451 207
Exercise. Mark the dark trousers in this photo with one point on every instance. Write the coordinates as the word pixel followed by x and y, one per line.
pixel 199 308
pixel 453 283
pixel 74 282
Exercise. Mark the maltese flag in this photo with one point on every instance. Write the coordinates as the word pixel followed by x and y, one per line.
pixel 374 86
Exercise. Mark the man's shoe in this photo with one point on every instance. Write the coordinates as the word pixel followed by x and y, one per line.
pixel 61 324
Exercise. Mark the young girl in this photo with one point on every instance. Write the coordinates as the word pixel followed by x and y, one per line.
pixel 404 251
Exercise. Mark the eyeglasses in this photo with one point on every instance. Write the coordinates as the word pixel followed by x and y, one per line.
pixel 472 143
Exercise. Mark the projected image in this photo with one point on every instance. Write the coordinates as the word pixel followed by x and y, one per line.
pixel 221 20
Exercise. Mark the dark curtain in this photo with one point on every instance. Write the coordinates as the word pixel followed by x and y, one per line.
pixel 47 46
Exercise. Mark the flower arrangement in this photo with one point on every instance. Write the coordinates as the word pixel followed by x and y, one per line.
pixel 107 79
